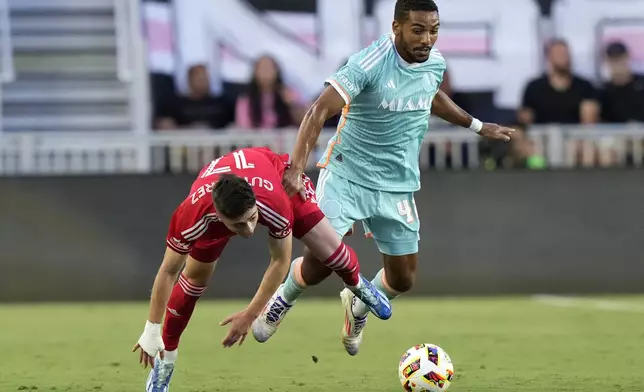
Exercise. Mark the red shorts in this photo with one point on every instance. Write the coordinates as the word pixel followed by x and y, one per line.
pixel 306 215
pixel 208 250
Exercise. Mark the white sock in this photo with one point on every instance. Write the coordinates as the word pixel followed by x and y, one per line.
pixel 359 309
pixel 356 287
pixel 170 356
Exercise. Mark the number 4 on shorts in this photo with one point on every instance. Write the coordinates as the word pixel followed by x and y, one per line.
pixel 404 209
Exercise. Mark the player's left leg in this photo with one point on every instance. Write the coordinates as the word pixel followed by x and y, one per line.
pixel 396 232
pixel 183 299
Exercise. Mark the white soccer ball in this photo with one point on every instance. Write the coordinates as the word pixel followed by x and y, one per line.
pixel 425 368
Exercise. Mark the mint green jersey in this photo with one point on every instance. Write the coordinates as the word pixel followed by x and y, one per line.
pixel 383 124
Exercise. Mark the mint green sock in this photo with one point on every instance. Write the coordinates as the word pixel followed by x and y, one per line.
pixel 292 290
pixel 360 309
pixel 377 281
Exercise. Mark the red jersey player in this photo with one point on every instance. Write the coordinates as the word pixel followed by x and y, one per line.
pixel 230 197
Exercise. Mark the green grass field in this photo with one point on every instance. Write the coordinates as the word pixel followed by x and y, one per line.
pixel 514 344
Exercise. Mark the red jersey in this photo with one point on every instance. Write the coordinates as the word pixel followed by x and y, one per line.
pixel 196 219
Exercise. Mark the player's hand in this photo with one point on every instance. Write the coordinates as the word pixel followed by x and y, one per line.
pixel 496 132
pixel 292 182
pixel 239 325
pixel 150 344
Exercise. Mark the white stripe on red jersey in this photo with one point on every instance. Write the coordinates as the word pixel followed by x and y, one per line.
pixel 200 227
pixel 271 216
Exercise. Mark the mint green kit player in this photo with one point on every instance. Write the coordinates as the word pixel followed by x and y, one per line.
pixel 370 171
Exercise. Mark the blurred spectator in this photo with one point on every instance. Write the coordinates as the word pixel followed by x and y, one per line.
pixel 559 96
pixel 164 96
pixel 268 103
pixel 199 109
pixel 622 97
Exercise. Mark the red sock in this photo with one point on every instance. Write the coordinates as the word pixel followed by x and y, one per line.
pixel 344 262
pixel 180 307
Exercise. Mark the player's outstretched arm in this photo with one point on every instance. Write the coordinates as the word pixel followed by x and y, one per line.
pixel 445 108
pixel 150 341
pixel 280 249
pixel 328 104
pixel 164 283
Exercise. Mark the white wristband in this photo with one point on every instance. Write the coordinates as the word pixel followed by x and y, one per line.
pixel 152 327
pixel 476 125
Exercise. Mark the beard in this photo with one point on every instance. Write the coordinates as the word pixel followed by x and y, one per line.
pixel 563 69
pixel 415 53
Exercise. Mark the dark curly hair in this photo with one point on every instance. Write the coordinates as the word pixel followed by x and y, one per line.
pixel 403 7
pixel 233 196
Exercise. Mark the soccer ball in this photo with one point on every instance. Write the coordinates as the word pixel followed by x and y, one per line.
pixel 425 368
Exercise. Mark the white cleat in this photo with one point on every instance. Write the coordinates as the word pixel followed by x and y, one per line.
pixel 274 312
pixel 160 376
pixel 352 330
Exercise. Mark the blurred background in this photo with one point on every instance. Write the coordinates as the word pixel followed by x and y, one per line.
pixel 108 109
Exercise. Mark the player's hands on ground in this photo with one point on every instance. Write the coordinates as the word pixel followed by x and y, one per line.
pixel 150 343
pixel 240 323
pixel 292 182
pixel 497 132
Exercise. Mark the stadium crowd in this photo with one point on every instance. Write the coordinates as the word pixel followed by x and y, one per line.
pixel 558 96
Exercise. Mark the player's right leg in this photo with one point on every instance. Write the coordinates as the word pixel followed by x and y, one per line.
pixel 322 244
pixel 344 261
pixel 326 253
pixel 396 232
pixel 185 294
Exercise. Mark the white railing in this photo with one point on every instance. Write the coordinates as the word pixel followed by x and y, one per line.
pixel 7 73
pixel 605 146
pixel 131 63
pixel 181 151
pixel 122 29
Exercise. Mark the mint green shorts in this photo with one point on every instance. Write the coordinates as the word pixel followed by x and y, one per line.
pixel 390 217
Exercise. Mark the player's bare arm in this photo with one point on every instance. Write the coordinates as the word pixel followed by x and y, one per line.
pixel 328 104
pixel 150 341
pixel 163 284
pixel 280 250
pixel 445 108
